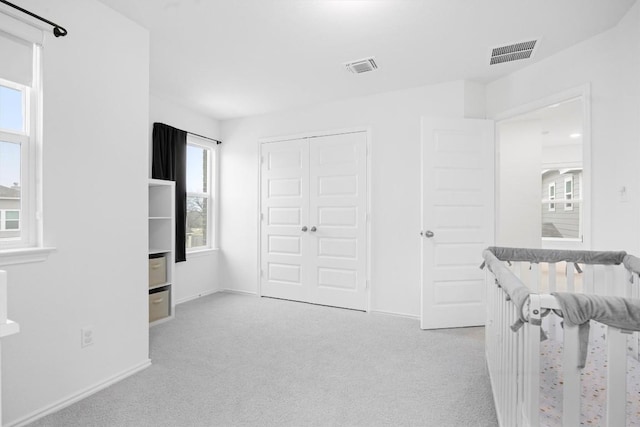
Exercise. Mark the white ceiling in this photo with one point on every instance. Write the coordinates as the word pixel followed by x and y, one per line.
pixel 234 58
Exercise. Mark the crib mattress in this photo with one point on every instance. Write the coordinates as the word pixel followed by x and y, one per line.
pixel 593 380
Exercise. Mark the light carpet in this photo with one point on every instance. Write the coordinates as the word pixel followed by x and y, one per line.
pixel 236 360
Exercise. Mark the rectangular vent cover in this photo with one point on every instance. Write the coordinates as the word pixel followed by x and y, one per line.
pixel 512 52
pixel 362 65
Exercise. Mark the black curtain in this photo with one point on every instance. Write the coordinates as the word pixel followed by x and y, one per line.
pixel 170 163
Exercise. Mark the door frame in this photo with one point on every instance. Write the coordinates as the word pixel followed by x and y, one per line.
pixel 310 135
pixel 583 92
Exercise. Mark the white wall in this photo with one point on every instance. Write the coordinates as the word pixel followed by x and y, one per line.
pixel 95 207
pixel 199 274
pixel 610 63
pixel 394 121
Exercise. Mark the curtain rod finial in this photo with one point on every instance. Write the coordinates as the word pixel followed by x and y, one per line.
pixel 59 32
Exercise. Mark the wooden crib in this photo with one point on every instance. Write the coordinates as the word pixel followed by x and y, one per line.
pixel 516 357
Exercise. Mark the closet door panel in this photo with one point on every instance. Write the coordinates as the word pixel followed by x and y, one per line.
pixel 284 212
pixel 338 203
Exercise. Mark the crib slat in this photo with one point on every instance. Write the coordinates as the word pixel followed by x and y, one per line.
pixel 599 280
pixel 609 280
pixel 635 339
pixel 535 278
pixel 571 374
pixel 520 378
pixel 570 278
pixel 532 361
pixel 552 277
pixel 588 279
pixel 510 371
pixel 616 377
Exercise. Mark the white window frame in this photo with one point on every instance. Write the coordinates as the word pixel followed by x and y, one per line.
pixel 568 195
pixel 30 246
pixel 211 195
pixel 29 139
pixel 552 197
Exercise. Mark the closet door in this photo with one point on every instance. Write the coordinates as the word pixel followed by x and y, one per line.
pixel 285 259
pixel 338 221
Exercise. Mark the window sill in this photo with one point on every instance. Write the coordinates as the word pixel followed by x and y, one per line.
pixel 24 255
pixel 202 252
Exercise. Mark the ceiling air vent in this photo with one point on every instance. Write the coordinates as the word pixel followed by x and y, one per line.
pixel 512 52
pixel 362 65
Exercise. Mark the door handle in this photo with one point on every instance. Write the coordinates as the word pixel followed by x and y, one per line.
pixel 429 234
pixel 304 228
pixel 313 228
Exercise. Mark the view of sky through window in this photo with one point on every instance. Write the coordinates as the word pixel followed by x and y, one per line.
pixel 11 119
pixel 196 169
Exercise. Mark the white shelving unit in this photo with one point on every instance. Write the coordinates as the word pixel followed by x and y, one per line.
pixel 161 249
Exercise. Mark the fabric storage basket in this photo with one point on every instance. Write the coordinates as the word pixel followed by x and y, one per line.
pixel 158 305
pixel 157 271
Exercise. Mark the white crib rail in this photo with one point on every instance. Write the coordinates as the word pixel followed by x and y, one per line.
pixel 513 358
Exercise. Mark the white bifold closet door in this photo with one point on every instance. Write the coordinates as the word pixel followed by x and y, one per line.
pixel 314 220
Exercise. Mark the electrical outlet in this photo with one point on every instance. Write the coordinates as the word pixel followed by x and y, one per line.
pixel 86 336
pixel 624 194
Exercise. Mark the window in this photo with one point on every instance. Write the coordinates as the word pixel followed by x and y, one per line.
pixel 20 143
pixel 9 220
pixel 552 196
pixel 201 203
pixel 568 193
pixel 17 165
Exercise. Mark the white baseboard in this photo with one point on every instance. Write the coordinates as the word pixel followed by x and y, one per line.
pixel 201 294
pixel 235 291
pixel 391 313
pixel 70 400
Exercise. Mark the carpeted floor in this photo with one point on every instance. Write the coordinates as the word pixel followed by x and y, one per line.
pixel 235 360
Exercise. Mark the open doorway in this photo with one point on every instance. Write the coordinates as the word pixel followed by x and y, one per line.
pixel 542 171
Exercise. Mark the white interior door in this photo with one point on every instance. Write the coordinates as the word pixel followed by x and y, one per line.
pixel 314 220
pixel 338 215
pixel 284 261
pixel 457 220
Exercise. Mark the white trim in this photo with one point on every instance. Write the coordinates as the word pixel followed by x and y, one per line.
pixel 76 397
pixel 164 319
pixel 583 92
pixel 202 252
pixel 9 327
pixel 564 96
pixel 316 134
pixel 368 172
pixel 212 195
pixel 194 297
pixel 18 25
pixel 24 255
pixel 239 292
pixel 395 314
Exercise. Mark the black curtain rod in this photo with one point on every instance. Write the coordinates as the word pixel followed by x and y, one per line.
pixel 58 31
pixel 218 142
pixel 205 137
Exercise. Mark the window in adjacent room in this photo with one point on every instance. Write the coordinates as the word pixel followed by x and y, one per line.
pixel 9 220
pixel 568 193
pixel 201 201
pixel 552 196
